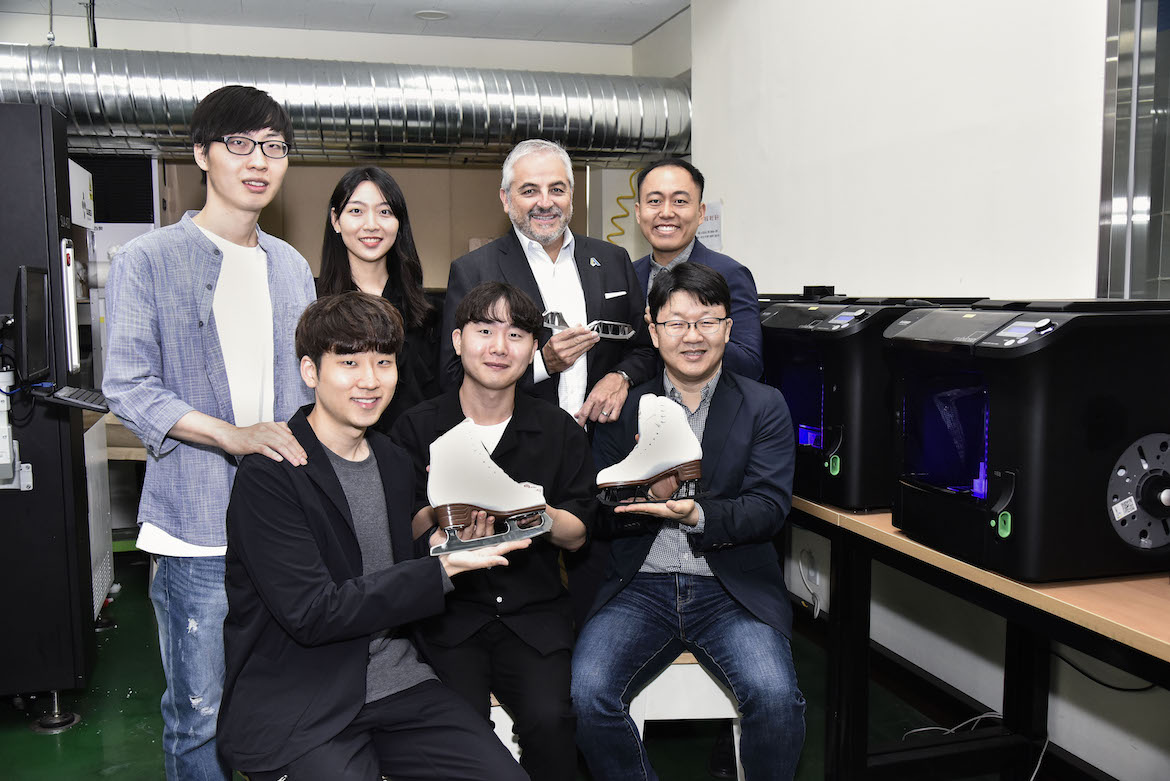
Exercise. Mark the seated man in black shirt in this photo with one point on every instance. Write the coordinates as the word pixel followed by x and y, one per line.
pixel 510 631
pixel 324 678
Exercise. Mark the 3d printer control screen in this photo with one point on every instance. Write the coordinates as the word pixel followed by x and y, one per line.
pixel 1018 329
pixel 945 426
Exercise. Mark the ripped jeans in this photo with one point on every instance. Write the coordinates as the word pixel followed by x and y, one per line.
pixel 190 605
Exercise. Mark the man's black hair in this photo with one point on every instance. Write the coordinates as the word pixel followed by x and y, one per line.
pixel 347 324
pixel 703 282
pixel 677 162
pixel 238 109
pixel 482 305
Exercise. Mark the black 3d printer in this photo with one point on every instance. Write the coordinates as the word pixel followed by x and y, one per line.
pixel 826 357
pixel 1034 437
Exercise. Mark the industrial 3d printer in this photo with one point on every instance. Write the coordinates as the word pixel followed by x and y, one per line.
pixel 1034 437
pixel 826 357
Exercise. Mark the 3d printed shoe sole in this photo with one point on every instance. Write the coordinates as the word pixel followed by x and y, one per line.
pixel 688 475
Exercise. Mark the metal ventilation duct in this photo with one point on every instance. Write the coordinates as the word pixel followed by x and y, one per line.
pixel 140 102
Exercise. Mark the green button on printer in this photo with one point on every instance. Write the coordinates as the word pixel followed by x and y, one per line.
pixel 834 465
pixel 1005 524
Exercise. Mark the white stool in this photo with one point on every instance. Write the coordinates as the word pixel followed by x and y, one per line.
pixel 685 690
pixel 502 723
pixel 682 691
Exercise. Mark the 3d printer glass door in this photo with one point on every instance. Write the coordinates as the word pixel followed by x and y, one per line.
pixel 945 427
pixel 803 386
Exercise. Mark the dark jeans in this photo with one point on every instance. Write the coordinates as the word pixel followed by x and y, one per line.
pixel 640 631
pixel 425 732
pixel 534 689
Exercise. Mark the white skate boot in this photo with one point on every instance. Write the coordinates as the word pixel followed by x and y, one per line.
pixel 666 446
pixel 464 479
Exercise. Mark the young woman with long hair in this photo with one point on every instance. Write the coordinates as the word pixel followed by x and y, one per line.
pixel 369 246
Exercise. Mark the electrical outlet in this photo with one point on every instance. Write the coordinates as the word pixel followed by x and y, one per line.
pixel 808 552
pixel 808 563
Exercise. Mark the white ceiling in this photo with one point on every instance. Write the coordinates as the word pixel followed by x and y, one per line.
pixel 580 21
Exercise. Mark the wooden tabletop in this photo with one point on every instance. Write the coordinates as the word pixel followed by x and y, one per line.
pixel 1133 610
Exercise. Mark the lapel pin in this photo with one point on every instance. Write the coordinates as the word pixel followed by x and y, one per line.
pixel 594 262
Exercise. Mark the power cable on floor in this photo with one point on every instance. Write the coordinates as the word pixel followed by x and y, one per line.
pixel 973 721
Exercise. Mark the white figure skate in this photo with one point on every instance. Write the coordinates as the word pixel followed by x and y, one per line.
pixel 666 446
pixel 464 479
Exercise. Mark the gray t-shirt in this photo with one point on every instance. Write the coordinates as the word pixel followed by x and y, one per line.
pixel 393 664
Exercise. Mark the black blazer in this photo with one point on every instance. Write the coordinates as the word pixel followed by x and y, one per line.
pixel 748 457
pixel 300 611
pixel 541 444
pixel 611 293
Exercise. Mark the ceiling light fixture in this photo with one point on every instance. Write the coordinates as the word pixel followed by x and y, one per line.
pixel 431 15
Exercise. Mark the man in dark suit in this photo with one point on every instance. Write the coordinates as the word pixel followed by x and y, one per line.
pixel 510 631
pixel 669 211
pixel 699 575
pixel 582 278
pixel 324 678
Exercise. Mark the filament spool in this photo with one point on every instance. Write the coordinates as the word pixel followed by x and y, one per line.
pixel 1138 496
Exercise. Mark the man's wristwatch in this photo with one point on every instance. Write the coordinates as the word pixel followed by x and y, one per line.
pixel 624 376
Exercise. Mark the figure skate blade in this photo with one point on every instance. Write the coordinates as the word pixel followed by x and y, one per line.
pixel 514 532
pixel 611 329
pixel 606 329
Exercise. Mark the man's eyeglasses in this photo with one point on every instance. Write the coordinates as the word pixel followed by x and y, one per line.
pixel 242 145
pixel 708 325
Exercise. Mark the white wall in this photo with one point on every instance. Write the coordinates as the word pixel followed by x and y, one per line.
pixel 923 147
pixel 666 51
pixel 908 147
pixel 322 44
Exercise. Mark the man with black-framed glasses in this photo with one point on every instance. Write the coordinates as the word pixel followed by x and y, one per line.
pixel 698 575
pixel 202 368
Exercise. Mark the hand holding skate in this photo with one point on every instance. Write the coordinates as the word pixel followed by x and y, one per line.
pixel 480 558
pixel 465 486
pixel 666 449
pixel 682 511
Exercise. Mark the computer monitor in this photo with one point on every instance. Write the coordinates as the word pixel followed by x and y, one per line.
pixel 32 323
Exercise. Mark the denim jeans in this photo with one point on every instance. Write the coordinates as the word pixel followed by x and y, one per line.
pixel 641 630
pixel 190 605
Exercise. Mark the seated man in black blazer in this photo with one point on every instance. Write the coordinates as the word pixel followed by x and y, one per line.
pixel 698 575
pixel 324 678
pixel 510 632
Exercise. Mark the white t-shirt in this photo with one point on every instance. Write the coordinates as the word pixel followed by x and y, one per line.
pixel 242 308
pixel 243 319
pixel 490 435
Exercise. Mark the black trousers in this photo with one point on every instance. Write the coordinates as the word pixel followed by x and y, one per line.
pixel 533 688
pixel 425 732
pixel 585 569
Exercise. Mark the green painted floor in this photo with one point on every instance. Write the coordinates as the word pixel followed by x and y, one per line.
pixel 119 733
